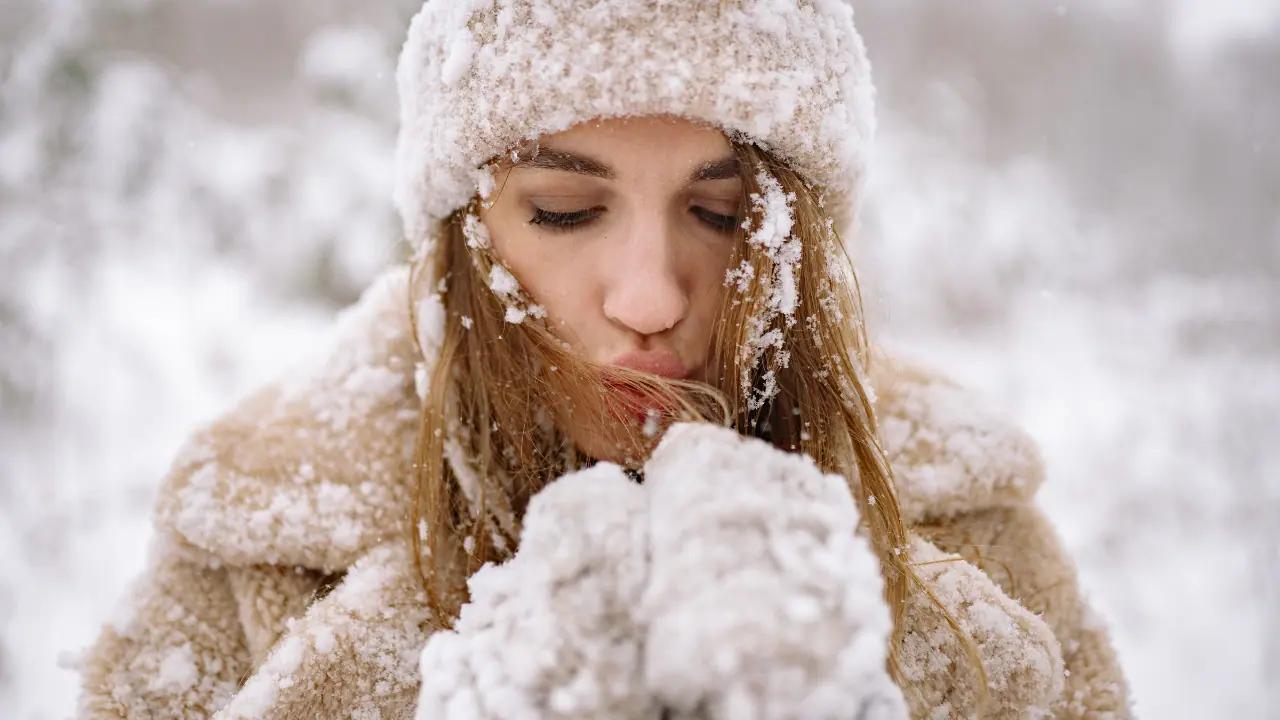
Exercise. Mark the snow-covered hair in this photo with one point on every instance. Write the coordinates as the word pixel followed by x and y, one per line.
pixel 478 77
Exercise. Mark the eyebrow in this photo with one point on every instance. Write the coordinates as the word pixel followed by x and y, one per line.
pixel 552 159
pixel 722 169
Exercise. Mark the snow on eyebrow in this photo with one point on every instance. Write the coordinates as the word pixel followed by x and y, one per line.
pixel 551 159
pixel 723 169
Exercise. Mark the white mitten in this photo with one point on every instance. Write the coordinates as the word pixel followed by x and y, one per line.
pixel 551 632
pixel 761 602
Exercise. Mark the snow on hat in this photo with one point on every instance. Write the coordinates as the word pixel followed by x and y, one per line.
pixel 478 77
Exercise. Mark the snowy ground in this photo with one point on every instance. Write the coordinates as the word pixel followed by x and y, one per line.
pixel 1076 208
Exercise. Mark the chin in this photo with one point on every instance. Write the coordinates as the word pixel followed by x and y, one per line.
pixel 628 449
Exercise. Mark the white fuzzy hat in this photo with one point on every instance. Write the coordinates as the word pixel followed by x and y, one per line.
pixel 478 77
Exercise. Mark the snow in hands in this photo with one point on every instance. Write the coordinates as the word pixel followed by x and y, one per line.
pixel 731 584
pixel 548 634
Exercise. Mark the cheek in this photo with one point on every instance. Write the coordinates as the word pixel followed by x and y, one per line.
pixel 707 298
pixel 554 272
pixel 708 273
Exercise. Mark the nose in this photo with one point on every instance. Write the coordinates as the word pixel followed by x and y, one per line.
pixel 645 293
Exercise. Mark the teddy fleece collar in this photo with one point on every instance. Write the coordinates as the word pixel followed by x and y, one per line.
pixel 309 469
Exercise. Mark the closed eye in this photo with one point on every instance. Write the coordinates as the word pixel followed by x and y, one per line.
pixel 571 220
pixel 564 220
pixel 717 222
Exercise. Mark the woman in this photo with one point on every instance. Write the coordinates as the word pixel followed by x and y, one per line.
pixel 628 222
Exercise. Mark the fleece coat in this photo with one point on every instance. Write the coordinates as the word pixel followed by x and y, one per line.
pixel 280 584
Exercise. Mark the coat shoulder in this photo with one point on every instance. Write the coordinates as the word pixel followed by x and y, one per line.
pixel 962 634
pixel 951 450
pixel 1020 551
pixel 309 469
pixel 174 648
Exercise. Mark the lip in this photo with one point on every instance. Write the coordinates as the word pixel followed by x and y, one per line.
pixel 636 404
pixel 656 362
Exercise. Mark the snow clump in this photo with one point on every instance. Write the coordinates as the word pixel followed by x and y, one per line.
pixel 729 585
pixel 774 237
pixel 762 602
pixel 549 634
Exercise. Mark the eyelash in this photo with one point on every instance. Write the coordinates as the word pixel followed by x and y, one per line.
pixel 563 222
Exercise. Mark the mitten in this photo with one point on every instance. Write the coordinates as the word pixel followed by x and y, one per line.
pixel 762 603
pixel 551 633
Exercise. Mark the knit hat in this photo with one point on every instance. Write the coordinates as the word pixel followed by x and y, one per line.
pixel 478 77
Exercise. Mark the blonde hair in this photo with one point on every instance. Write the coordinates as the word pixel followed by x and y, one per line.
pixel 485 415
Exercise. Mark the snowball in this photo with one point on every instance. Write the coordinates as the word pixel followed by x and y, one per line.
pixel 515 315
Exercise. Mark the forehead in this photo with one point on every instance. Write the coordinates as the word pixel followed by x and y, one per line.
pixel 613 148
pixel 643 128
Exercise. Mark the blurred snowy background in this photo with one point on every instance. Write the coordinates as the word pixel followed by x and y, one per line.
pixel 1075 208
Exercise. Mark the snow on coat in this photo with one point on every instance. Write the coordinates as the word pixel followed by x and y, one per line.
pixel 280 584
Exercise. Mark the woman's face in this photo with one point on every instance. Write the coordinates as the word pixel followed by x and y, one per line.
pixel 621 229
